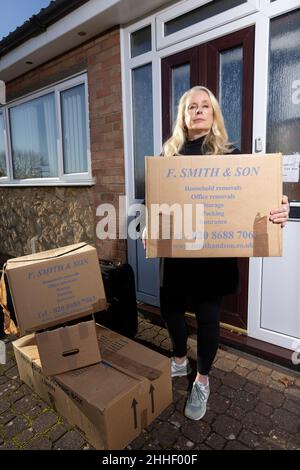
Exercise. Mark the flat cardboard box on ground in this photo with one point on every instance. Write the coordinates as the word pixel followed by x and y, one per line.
pixel 226 199
pixel 68 347
pixel 55 286
pixel 111 402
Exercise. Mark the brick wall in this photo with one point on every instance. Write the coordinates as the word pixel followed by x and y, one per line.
pixel 101 58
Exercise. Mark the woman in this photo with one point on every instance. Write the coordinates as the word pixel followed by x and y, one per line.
pixel 199 283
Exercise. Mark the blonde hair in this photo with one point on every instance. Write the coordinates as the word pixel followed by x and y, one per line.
pixel 215 142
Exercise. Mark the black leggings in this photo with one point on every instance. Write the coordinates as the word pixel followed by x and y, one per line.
pixel 207 313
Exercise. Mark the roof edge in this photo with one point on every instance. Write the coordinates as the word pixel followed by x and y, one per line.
pixel 38 23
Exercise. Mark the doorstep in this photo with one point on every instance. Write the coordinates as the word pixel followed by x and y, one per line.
pixel 258 348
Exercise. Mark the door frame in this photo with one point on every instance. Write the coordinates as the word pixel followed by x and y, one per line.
pixel 260 19
pixel 155 57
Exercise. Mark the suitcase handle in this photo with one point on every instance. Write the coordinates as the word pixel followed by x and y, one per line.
pixel 106 262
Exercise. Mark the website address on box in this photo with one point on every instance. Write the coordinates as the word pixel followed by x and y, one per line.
pixel 210 246
pixel 228 245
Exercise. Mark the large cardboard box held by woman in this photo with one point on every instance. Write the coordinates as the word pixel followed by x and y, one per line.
pixel 213 206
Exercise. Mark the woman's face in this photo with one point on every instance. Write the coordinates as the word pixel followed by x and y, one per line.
pixel 198 114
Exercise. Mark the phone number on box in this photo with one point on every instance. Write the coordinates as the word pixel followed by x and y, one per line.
pixel 224 235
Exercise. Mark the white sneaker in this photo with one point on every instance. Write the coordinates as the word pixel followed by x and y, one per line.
pixel 179 370
pixel 195 407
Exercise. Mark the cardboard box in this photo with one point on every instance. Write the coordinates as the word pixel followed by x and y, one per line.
pixel 68 348
pixel 132 358
pixel 224 201
pixel 55 286
pixel 110 402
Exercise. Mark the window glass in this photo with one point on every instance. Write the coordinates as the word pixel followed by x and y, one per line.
pixel 284 91
pixel 180 84
pixel 141 41
pixel 33 138
pixel 142 124
pixel 231 92
pixel 74 132
pixel 3 171
pixel 199 14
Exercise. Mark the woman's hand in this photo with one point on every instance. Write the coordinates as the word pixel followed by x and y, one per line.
pixel 281 215
pixel 144 237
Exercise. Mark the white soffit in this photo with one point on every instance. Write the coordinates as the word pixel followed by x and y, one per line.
pixel 93 17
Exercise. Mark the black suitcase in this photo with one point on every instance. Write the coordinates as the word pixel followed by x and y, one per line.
pixel 121 315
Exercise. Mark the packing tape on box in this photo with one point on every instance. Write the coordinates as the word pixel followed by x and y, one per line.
pixel 260 236
pixel 164 245
pixel 122 363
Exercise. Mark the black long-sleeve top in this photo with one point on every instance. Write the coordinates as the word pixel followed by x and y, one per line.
pixel 204 277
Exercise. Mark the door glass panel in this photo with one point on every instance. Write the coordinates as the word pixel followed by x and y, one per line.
pixel 2 148
pixel 142 124
pixel 180 84
pixel 141 41
pixel 199 14
pixel 284 91
pixel 231 92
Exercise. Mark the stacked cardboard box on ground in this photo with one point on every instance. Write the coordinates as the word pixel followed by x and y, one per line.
pixel 111 402
pixel 52 288
pixel 127 385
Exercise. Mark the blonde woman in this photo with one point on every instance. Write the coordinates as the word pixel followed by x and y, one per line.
pixel 199 283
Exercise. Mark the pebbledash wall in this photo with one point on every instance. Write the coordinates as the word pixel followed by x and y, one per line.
pixel 44 218
pixel 59 216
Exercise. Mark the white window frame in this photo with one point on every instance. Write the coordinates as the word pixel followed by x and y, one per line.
pixel 250 7
pixel 3 111
pixel 278 8
pixel 269 10
pixel 72 179
pixel 128 64
pixel 154 57
pixel 143 24
pixel 264 11
pixel 125 36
